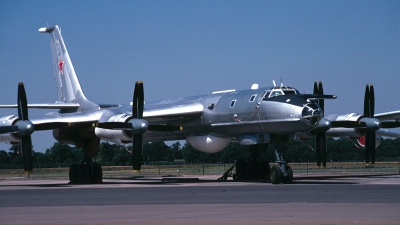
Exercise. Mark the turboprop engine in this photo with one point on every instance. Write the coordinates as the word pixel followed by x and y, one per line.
pixel 366 124
pixel 121 136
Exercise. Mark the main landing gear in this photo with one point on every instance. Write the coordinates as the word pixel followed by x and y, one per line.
pixel 87 172
pixel 260 169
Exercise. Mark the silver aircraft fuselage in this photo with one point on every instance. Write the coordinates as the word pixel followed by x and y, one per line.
pixel 226 114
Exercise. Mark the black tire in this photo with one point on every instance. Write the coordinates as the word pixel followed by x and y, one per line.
pixel 289 178
pixel 74 173
pixel 275 175
pixel 97 174
pixel 86 173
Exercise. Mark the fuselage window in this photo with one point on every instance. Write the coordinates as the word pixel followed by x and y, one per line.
pixel 252 98
pixel 233 103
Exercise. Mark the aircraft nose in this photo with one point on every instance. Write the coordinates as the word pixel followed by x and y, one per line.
pixel 312 113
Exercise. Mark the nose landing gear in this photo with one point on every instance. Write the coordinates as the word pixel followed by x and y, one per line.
pixel 282 173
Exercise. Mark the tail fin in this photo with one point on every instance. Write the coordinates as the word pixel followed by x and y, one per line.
pixel 68 87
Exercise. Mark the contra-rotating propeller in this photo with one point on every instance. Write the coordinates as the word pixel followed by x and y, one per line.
pixel 367 125
pixel 320 137
pixel 137 138
pixel 369 112
pixel 137 126
pixel 23 128
pixel 370 134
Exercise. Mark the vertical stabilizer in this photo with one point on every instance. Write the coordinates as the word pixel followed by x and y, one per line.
pixel 69 89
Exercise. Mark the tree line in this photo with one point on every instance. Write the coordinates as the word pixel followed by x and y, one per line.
pixel 338 150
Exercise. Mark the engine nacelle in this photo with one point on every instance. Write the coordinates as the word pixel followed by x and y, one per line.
pixel 116 136
pixel 361 141
pixel 342 132
pixel 9 138
pixel 345 133
pixel 208 143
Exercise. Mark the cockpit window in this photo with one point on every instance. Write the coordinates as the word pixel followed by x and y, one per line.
pixel 277 91
pixel 289 92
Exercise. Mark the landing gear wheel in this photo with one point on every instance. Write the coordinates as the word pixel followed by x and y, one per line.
pixel 85 173
pixel 97 174
pixel 289 178
pixel 275 175
pixel 74 173
pixel 86 169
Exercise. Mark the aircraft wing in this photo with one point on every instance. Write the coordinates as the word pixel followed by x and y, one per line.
pixel 387 133
pixel 46 106
pixel 392 115
pixel 70 106
pixel 172 112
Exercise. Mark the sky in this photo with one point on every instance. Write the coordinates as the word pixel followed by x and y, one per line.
pixel 185 48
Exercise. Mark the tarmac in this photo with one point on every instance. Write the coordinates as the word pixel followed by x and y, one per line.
pixel 335 199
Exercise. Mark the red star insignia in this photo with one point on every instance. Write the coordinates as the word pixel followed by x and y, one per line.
pixel 60 64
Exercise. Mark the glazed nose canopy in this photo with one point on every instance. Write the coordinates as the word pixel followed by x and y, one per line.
pixel 312 113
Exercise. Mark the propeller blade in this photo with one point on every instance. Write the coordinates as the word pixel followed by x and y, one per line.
pixel 135 101
pixel 372 101
pixel 164 127
pixel 27 153
pixel 315 91
pixel 137 145
pixel 348 124
pixel 321 102
pixel 22 102
pixel 8 129
pixel 51 125
pixel 367 112
pixel 113 125
pixel 369 148
pixel 390 124
pixel 140 100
